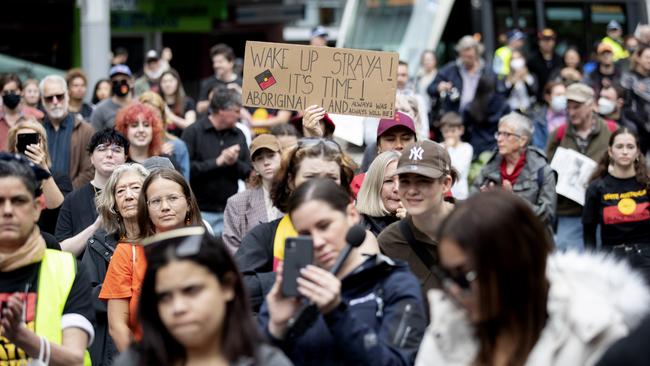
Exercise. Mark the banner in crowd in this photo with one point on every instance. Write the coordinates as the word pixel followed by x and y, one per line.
pixel 573 172
pixel 343 81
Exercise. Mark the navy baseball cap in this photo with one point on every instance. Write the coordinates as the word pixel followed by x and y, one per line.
pixel 120 69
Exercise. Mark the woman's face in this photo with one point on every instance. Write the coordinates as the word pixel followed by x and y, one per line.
pixel 624 150
pixel 103 90
pixel 191 303
pixel 572 59
pixel 508 140
pixel 139 132
pixel 317 168
pixel 428 61
pixel 266 163
pixel 168 84
pixel 31 94
pixel 168 206
pixel 327 227
pixel 127 192
pixel 456 264
pixel 389 188
pixel 421 195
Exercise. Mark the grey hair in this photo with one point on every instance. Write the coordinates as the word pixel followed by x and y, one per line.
pixel 369 198
pixel 522 124
pixel 57 78
pixel 106 203
pixel 409 104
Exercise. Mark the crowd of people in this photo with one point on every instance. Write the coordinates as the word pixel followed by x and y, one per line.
pixel 146 227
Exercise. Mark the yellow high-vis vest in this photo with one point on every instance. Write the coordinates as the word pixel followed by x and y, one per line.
pixel 55 279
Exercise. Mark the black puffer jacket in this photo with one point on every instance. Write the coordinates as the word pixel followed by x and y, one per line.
pixel 99 250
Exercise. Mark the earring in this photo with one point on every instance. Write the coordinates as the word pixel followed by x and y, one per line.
pixel 187 219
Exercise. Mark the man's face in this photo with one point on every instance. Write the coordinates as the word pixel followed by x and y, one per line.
pixel 227 118
pixel 578 113
pixel 222 66
pixel 77 88
pixel 402 76
pixel 11 88
pixel 318 41
pixel 615 33
pixel 396 138
pixel 55 100
pixel 547 44
pixel 606 58
pixel 468 56
pixel 20 212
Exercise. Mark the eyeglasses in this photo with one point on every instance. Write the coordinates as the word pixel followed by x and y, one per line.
pixel 186 241
pixel 173 200
pixel 308 142
pixel 116 149
pixel 505 134
pixel 50 98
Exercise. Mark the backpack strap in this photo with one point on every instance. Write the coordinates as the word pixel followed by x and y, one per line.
pixel 559 134
pixel 417 246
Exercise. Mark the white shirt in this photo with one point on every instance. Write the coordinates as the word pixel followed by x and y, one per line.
pixel 461 159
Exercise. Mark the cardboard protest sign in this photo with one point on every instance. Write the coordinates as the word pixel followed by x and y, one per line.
pixel 343 81
pixel 573 172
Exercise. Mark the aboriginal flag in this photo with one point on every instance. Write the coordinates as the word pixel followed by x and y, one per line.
pixel 265 80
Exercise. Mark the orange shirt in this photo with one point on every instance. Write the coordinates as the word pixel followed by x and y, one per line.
pixel 124 280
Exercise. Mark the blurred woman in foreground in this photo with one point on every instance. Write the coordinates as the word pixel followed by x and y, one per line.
pixel 507 302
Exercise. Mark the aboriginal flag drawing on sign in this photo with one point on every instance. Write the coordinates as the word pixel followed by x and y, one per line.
pixel 265 80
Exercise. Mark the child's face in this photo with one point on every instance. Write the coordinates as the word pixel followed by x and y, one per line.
pixel 452 132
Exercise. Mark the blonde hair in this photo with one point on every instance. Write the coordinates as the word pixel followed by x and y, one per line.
pixel 156 101
pixel 106 203
pixel 28 123
pixel 369 198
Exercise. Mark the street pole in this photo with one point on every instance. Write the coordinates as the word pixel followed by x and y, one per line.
pixel 95 40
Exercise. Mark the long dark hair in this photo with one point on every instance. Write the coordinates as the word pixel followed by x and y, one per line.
pixel 239 333
pixel 308 148
pixel 508 245
pixel 640 167
pixel 144 221
pixel 179 95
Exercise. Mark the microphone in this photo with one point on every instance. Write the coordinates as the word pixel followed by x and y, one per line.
pixel 305 317
pixel 354 238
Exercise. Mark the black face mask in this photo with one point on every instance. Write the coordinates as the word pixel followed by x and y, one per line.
pixel 121 88
pixel 11 100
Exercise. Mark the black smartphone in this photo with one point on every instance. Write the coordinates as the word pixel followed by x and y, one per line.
pixel 24 139
pixel 298 253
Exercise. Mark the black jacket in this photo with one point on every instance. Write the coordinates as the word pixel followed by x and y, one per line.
pixel 77 212
pixel 98 254
pixel 378 223
pixel 542 68
pixel 255 261
pixel 381 320
pixel 212 184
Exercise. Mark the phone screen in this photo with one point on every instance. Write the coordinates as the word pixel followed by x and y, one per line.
pixel 298 253
pixel 25 139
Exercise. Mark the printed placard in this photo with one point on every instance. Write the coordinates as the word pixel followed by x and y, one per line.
pixel 573 172
pixel 341 80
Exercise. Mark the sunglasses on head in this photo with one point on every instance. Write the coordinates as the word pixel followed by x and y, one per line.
pixel 308 142
pixel 50 98
pixel 186 241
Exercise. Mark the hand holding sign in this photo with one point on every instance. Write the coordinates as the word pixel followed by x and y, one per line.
pixel 311 121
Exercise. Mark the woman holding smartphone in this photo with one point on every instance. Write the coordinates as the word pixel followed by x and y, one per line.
pixel 28 137
pixel 371 311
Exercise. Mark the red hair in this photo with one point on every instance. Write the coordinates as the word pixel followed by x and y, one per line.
pixel 130 114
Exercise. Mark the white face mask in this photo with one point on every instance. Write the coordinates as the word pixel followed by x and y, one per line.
pixel 558 103
pixel 606 106
pixel 518 63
